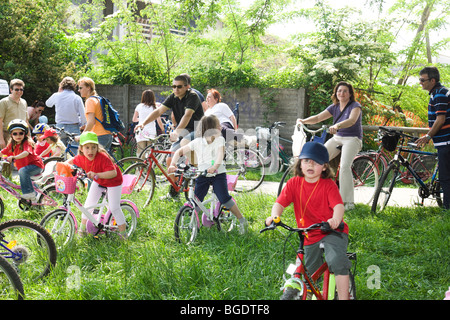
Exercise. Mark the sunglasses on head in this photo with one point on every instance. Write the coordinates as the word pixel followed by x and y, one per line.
pixel 20 133
pixel 178 86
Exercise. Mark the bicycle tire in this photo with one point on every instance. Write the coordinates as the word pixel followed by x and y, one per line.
pixel 186 225
pixel 385 187
pixel 249 166
pixel 290 293
pixel 225 221
pixel 2 208
pixel 145 183
pixel 50 159
pixel 289 173
pixel 130 219
pixel 12 289
pixel 53 220
pixel 35 251
pixel 125 163
pixel 365 176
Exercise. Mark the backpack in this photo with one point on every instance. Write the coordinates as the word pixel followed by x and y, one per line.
pixel 111 120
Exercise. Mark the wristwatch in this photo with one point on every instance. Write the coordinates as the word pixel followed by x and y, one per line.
pixel 428 136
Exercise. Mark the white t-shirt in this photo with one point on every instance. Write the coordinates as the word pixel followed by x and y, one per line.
pixel 222 111
pixel 207 152
pixel 149 131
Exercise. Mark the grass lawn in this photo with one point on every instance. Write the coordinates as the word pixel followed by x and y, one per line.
pixel 407 250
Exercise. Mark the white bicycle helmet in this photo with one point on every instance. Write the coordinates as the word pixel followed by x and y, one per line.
pixel 40 128
pixel 18 124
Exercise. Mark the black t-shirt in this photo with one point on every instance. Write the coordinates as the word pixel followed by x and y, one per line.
pixel 179 106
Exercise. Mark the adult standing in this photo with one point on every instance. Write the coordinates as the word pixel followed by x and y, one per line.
pixel 93 112
pixel 221 110
pixel 186 109
pixel 69 108
pixel 439 124
pixel 12 107
pixel 34 112
pixel 143 109
pixel 347 135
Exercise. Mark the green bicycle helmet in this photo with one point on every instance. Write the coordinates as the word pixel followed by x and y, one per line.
pixel 17 124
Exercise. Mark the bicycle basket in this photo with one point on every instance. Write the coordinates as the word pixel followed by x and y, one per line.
pixel 231 182
pixel 390 140
pixel 128 183
pixel 66 185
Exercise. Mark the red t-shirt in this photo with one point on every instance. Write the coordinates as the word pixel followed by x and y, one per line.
pixel 101 163
pixel 39 148
pixel 31 159
pixel 319 200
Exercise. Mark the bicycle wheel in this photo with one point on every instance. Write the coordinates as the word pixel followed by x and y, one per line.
pixel 365 177
pixel 289 173
pixel 130 219
pixel 186 225
pixel 61 229
pixel 248 165
pixel 386 187
pixel 226 221
pixel 50 159
pixel 2 208
pixel 294 290
pixel 31 248
pixel 145 184
pixel 125 163
pixel 11 287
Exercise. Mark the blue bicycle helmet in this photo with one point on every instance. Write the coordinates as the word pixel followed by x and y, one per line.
pixel 315 151
pixel 40 128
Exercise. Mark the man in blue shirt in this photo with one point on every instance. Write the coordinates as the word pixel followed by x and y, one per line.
pixel 439 124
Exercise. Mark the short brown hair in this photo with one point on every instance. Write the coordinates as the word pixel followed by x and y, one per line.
pixel 16 82
pixel 215 94
pixel 68 83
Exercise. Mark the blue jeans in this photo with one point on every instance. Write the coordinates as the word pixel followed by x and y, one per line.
pixel 71 128
pixel 25 181
pixel 444 173
pixel 220 187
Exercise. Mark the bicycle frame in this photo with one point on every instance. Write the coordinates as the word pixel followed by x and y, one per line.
pixel 13 189
pixel 151 159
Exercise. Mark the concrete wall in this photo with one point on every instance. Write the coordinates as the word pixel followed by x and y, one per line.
pixel 287 104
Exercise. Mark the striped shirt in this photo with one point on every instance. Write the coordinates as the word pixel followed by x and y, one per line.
pixel 439 104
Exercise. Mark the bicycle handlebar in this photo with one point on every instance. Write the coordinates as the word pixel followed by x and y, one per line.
pixel 323 226
pixel 303 126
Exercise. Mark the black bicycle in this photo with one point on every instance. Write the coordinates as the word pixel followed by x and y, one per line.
pixel 393 175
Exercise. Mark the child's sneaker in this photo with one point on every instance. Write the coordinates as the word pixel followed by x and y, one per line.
pixel 29 196
pixel 243 226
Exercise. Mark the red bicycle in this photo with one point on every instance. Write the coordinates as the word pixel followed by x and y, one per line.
pixel 302 285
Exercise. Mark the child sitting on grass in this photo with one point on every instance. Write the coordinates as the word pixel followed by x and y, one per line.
pixel 316 198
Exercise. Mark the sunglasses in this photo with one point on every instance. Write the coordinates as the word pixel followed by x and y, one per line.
pixel 179 86
pixel 424 80
pixel 16 89
pixel 18 133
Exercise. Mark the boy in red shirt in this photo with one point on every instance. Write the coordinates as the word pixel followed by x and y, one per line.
pixel 316 198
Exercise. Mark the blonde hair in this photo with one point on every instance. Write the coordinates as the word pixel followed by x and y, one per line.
pixel 16 82
pixel 88 82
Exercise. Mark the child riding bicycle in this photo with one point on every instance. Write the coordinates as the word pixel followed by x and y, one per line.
pixel 210 149
pixel 98 166
pixel 316 198
pixel 21 150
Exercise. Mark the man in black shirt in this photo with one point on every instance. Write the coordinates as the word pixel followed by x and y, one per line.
pixel 186 108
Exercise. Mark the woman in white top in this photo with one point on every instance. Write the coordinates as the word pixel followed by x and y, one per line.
pixel 147 105
pixel 221 110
